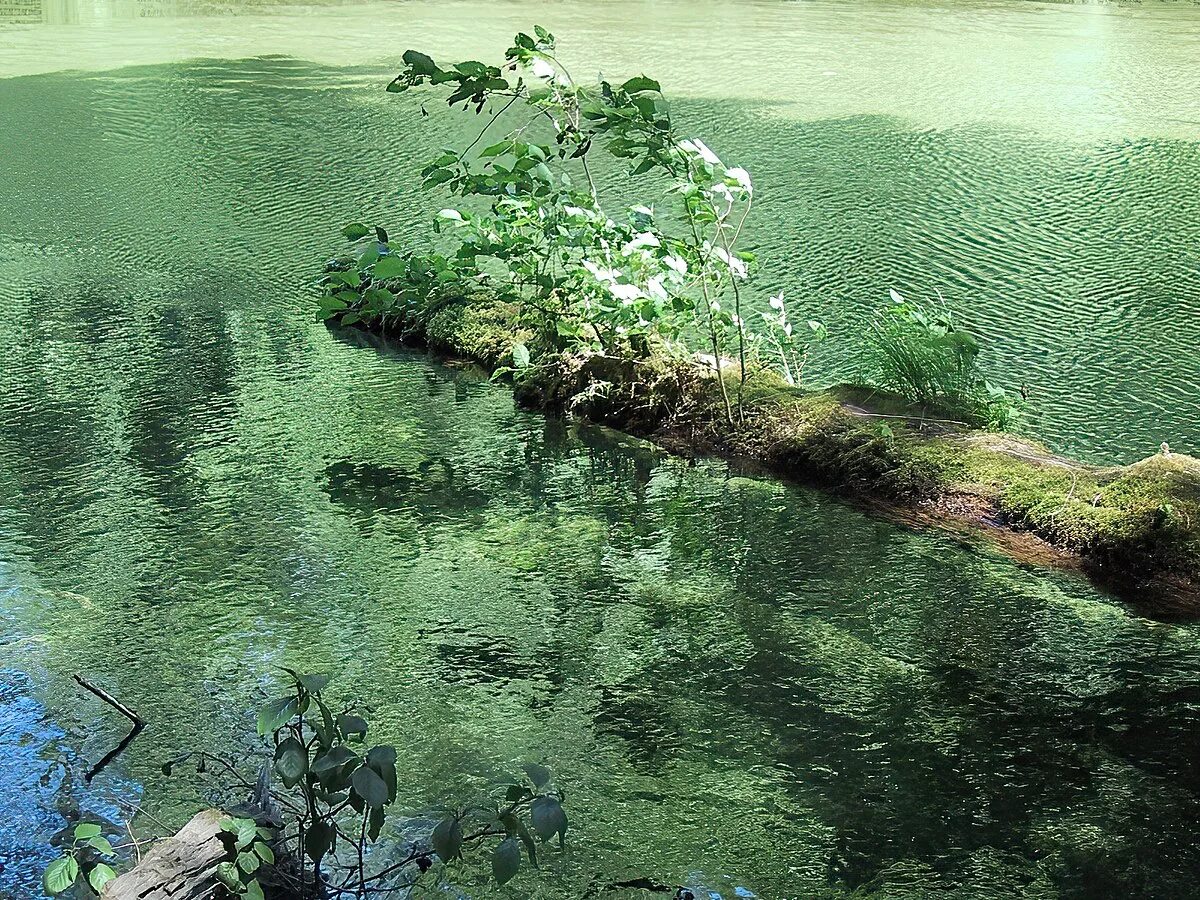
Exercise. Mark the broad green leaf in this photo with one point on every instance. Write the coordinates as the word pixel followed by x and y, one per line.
pixel 496 149
pixel 100 875
pixel 447 839
pixel 355 230
pixel 228 875
pixel 254 890
pixel 60 874
pixel 438 176
pixel 375 822
pixel 318 840
pixel 265 853
pixel 382 760
pixel 368 785
pixel 101 845
pixel 548 818
pixel 520 354
pixel 291 761
pixel 248 862
pixel 86 830
pixel 506 860
pixel 419 64
pixel 247 831
pixel 276 714
pixel 641 83
pixel 314 684
pixel 390 267
pixel 333 760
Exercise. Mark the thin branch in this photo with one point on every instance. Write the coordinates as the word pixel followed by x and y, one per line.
pixel 138 722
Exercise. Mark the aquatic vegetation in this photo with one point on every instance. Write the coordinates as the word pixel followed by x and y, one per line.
pixel 581 279
pixel 922 355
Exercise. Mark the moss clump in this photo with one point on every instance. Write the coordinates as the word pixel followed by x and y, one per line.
pixel 480 328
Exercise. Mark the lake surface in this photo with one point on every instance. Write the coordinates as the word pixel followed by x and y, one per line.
pixel 742 686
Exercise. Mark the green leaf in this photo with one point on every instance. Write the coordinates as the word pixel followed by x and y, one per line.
pixel 420 64
pixel 390 267
pixel 641 83
pixel 265 853
pixel 382 237
pixel 506 860
pixel 349 724
pixel 101 845
pixel 276 714
pixel 515 827
pixel 332 761
pixel 375 823
pixel 318 840
pixel 520 354
pixel 254 890
pixel 291 761
pixel 368 785
pixel 60 874
pixel 100 875
pixel 447 839
pixel 539 775
pixel 248 862
pixel 229 876
pixel 355 230
pixel 247 831
pixel 438 176
pixel 548 818
pixel 314 684
pixel 382 760
pixel 86 830
pixel 496 149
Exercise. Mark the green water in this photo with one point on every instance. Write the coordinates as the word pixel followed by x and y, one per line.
pixel 741 685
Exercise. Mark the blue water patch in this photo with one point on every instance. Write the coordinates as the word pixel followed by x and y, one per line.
pixel 43 791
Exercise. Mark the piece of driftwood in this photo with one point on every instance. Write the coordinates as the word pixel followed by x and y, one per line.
pixel 183 867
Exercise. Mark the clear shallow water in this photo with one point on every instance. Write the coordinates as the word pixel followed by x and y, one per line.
pixel 742 685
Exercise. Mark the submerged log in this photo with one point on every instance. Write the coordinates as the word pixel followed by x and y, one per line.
pixel 183 867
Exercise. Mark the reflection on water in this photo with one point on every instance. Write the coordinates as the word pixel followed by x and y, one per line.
pixel 742 685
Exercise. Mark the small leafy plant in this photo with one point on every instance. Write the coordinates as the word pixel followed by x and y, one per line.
pixel 920 354
pixel 84 857
pixel 339 792
pixel 251 851
pixel 534 228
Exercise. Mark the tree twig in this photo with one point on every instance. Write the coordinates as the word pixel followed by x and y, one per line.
pixel 138 722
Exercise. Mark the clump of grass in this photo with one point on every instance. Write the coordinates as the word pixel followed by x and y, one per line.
pixel 920 354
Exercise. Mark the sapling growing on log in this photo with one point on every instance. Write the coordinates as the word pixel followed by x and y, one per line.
pixel 586 276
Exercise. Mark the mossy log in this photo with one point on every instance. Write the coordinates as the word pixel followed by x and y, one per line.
pixel 183 867
pixel 1134 528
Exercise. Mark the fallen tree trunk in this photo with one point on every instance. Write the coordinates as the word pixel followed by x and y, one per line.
pixel 183 867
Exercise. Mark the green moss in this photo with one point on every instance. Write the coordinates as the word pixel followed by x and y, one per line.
pixel 477 327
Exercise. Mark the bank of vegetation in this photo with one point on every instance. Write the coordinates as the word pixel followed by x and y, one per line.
pixel 646 318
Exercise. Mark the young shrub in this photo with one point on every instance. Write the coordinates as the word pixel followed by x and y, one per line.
pixel 586 277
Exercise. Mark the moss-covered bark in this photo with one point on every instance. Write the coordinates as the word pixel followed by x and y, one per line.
pixel 1134 527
